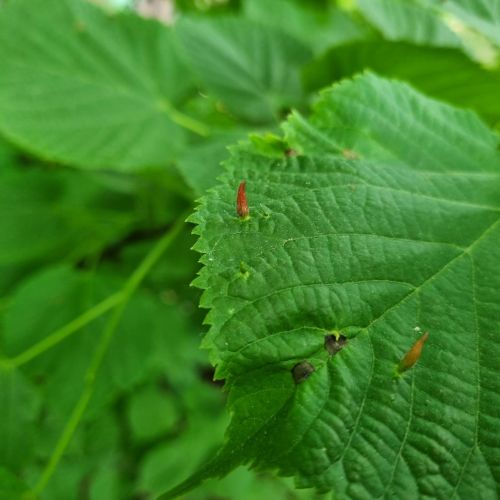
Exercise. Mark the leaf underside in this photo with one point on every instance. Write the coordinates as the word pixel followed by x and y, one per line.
pixel 402 237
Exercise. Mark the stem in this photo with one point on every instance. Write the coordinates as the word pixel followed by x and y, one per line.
pixel 65 331
pixel 184 120
pixel 90 377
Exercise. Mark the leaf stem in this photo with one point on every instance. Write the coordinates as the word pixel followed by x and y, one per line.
pixel 90 377
pixel 184 120
pixel 65 331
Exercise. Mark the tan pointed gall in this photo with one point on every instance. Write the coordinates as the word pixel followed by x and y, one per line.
pixel 413 355
pixel 241 202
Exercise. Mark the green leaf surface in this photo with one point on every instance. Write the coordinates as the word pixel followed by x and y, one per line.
pixel 153 337
pixel 83 86
pixel 481 15
pixel 19 405
pixel 318 28
pixel 48 214
pixel 203 429
pixel 201 165
pixel 253 69
pixel 10 486
pixel 151 412
pixel 409 20
pixel 443 73
pixel 401 238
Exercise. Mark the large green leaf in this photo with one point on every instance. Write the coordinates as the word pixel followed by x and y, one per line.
pixel 252 68
pixel 402 237
pixel 91 88
pixel 444 73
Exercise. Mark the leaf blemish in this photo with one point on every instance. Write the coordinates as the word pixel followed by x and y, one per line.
pixel 301 371
pixel 349 154
pixel 244 271
pixel 413 355
pixel 334 343
pixel 241 202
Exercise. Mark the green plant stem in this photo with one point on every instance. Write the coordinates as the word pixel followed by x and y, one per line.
pixel 65 331
pixel 184 120
pixel 78 411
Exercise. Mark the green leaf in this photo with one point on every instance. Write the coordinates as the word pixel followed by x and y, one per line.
pixel 318 28
pixel 99 91
pixel 172 459
pixel 443 73
pixel 19 403
pixel 253 69
pixel 201 162
pixel 46 215
pixel 7 153
pixel 409 20
pixel 10 486
pixel 152 338
pixel 482 15
pixel 151 413
pixel 401 238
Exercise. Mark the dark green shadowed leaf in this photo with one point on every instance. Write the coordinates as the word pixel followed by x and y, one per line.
pixel 402 239
pixel 60 214
pixel 253 69
pixel 19 406
pixel 443 73
pixel 83 86
pixel 10 486
pixel 153 337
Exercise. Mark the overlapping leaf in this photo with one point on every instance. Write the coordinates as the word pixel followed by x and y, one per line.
pixel 252 68
pixel 444 73
pixel 317 26
pixel 409 20
pixel 385 224
pixel 481 15
pixel 90 88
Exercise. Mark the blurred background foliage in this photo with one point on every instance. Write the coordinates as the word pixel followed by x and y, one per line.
pixel 114 119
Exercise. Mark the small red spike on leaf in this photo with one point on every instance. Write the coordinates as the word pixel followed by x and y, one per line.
pixel 412 356
pixel 241 202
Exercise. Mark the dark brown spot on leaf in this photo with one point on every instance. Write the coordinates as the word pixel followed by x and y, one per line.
pixel 334 344
pixel 301 371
